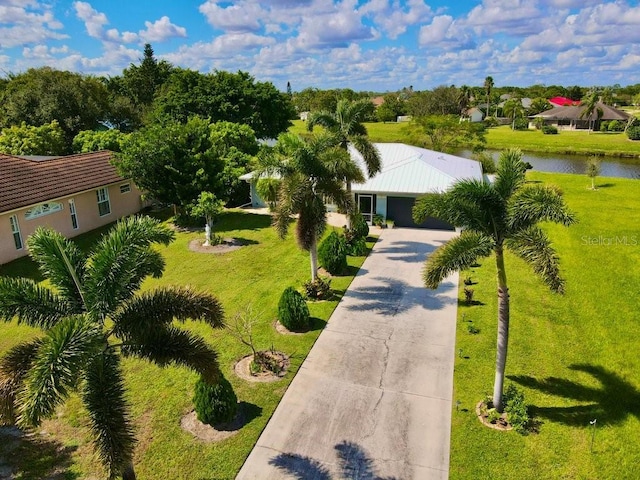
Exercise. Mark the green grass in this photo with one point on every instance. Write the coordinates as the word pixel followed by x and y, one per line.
pixel 254 275
pixel 499 138
pixel 593 326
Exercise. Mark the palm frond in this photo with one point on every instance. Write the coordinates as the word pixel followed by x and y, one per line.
pixel 323 118
pixel 457 254
pixel 63 353
pixel 61 261
pixel 103 395
pixel 31 303
pixel 170 345
pixel 510 173
pixel 534 247
pixel 14 366
pixel 369 153
pixel 160 307
pixel 536 203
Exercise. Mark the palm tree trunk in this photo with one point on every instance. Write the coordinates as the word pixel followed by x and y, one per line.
pixel 503 330
pixel 313 254
pixel 128 473
pixel 348 188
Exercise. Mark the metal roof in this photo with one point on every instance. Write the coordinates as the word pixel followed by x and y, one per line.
pixel 413 170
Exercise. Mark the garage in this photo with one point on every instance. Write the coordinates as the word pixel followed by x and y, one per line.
pixel 399 209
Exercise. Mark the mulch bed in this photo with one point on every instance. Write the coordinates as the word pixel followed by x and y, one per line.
pixel 500 424
pixel 243 369
pixel 227 245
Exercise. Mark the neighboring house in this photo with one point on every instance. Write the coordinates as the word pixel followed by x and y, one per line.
pixel 473 115
pixel 563 102
pixel 72 194
pixel 569 118
pixel 377 101
pixel 407 173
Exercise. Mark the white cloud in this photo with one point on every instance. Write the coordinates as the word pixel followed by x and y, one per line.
pixel 161 30
pixel 27 22
pixel 241 17
pixel 393 19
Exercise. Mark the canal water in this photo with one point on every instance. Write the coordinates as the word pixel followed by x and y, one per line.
pixel 553 162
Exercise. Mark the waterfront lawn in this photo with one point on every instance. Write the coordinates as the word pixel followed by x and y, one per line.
pixel 254 275
pixel 390 132
pixel 565 142
pixel 575 356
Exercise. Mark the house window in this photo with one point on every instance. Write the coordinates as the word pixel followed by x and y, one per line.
pixel 15 229
pixel 42 210
pixel 74 215
pixel 125 188
pixel 104 207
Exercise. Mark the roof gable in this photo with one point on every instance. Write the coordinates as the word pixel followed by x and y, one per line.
pixel 28 181
pixel 574 112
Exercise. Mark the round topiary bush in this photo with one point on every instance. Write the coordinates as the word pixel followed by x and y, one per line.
pixel 633 133
pixel 332 253
pixel 293 312
pixel 215 403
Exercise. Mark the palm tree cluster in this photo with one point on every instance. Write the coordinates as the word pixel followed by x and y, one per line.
pixel 495 217
pixel 92 317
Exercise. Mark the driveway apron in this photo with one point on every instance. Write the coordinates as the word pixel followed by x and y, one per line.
pixel 373 399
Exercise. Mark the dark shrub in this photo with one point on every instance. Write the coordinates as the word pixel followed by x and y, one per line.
pixel 615 126
pixel 293 312
pixel 317 289
pixel 215 404
pixel 358 247
pixel 332 253
pixel 521 124
pixel 633 133
pixel 549 130
pixel 468 295
pixel 359 227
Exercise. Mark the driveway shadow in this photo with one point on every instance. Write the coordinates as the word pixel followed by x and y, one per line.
pixel 407 251
pixel 394 296
pixel 612 403
pixel 353 464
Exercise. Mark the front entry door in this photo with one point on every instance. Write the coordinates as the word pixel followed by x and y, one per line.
pixel 365 205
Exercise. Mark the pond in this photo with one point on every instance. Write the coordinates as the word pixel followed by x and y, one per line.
pixel 554 162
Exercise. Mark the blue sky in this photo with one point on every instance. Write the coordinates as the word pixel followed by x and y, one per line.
pixel 380 45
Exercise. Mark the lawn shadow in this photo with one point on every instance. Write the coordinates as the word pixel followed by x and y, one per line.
pixel 239 220
pixel 473 303
pixel 316 323
pixel 33 457
pixel 605 185
pixel 393 296
pixel 353 463
pixel 610 404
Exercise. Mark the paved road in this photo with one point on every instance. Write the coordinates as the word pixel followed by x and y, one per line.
pixel 373 398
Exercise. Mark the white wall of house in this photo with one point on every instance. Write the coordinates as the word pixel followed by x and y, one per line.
pixel 124 199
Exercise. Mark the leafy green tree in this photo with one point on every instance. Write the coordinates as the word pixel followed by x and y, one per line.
pixel 346 128
pixel 464 98
pixel 94 141
pixel 392 107
pixel 209 207
pixel 47 139
pixel 92 316
pixel 39 96
pixel 141 82
pixel 224 96
pixel 494 217
pixel 513 109
pixel 311 173
pixel 446 133
pixel 488 86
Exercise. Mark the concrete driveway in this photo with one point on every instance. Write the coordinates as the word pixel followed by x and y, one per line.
pixel 373 398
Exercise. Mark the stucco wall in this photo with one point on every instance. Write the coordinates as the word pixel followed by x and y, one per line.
pixel 86 203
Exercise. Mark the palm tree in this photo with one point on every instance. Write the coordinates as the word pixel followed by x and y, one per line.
pixel 464 98
pixel 311 173
pixel 488 85
pixel 345 125
pixel 91 317
pixel 591 103
pixel 513 109
pixel 495 216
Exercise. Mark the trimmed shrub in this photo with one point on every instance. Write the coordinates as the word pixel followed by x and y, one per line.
pixel 549 130
pixel 521 124
pixel 358 247
pixel 317 289
pixel 332 253
pixel 215 404
pixel 604 126
pixel 491 122
pixel 615 126
pixel 293 311
pixel 359 227
pixel 633 133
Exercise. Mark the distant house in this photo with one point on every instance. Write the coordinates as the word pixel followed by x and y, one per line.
pixel 570 117
pixel 472 115
pixel 563 102
pixel 377 101
pixel 407 173
pixel 72 194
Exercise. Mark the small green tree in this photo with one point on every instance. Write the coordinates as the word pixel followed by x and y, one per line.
pixel 209 207
pixel 24 139
pixel 593 170
pixel 94 141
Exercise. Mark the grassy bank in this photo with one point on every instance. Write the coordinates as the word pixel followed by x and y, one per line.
pixel 575 356
pixel 254 275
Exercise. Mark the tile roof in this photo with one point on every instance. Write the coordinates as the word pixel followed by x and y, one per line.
pixel 414 170
pixel 574 112
pixel 32 180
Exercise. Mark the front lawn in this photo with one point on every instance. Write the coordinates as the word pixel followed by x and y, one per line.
pixel 575 356
pixel 254 275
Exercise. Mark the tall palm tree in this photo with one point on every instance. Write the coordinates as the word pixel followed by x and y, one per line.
pixel 494 217
pixel 464 98
pixel 488 86
pixel 591 103
pixel 91 317
pixel 513 109
pixel 311 173
pixel 345 124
